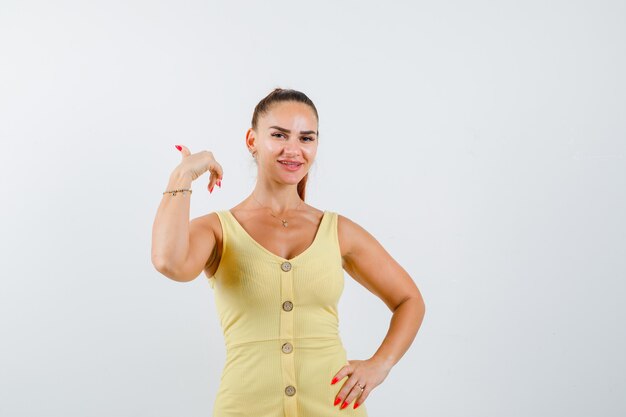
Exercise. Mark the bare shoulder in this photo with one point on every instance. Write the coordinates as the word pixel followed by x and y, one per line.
pixel 349 232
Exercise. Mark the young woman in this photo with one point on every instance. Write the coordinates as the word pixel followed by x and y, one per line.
pixel 276 265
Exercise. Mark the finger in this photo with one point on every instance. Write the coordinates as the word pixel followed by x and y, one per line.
pixel 345 370
pixel 216 176
pixel 361 398
pixel 219 172
pixel 349 391
pixel 211 181
pixel 183 150
pixel 352 395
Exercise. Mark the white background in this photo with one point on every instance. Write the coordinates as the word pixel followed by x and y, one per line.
pixel 482 143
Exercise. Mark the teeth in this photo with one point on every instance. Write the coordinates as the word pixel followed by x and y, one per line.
pixel 289 163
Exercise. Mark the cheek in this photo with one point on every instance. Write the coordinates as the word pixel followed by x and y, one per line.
pixel 272 148
pixel 310 155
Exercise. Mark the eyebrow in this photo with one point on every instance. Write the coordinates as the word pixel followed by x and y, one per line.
pixel 302 132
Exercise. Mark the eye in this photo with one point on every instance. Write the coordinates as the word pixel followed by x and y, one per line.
pixel 310 139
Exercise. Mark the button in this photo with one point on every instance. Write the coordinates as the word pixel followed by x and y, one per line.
pixel 287 347
pixel 286 266
pixel 287 306
pixel 290 390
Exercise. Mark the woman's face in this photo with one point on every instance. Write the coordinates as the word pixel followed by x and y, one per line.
pixel 287 133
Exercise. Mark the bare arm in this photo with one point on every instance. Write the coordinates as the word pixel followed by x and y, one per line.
pixel 180 248
pixel 370 265
pixel 170 230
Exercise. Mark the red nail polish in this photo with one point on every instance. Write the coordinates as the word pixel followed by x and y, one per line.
pixel 211 190
pixel 219 183
pixel 356 405
pixel 179 148
pixel 344 405
pixel 335 379
pixel 337 400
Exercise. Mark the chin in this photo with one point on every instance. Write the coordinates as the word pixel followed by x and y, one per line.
pixel 292 179
pixel 289 181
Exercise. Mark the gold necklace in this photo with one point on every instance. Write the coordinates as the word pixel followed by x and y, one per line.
pixel 285 224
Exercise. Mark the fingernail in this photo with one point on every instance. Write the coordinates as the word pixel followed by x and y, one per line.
pixel 179 147
pixel 344 405
pixel 356 405
pixel 219 183
pixel 337 400
pixel 335 379
pixel 211 189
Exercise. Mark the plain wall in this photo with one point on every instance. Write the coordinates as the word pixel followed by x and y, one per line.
pixel 482 143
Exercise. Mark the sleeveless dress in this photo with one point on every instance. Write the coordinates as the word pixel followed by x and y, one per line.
pixel 280 326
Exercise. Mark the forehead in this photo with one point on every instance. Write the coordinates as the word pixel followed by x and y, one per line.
pixel 290 113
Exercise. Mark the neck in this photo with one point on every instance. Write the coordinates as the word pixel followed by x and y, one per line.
pixel 279 198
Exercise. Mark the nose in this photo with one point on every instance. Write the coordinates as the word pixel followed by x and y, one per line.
pixel 291 148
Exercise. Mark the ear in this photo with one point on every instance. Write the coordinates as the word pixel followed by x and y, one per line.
pixel 251 140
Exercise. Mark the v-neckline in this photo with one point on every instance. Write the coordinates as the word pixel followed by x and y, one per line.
pixel 267 251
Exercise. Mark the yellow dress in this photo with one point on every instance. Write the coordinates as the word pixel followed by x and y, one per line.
pixel 280 325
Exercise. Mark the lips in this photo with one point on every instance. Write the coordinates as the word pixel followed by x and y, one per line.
pixel 290 163
pixel 291 166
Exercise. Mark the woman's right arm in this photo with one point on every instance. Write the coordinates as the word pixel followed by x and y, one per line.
pixel 180 248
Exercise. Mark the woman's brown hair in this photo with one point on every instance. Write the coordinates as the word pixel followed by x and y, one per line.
pixel 280 95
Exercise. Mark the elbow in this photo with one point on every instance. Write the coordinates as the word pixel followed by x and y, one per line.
pixel 159 263
pixel 166 270
pixel 421 310
pixel 421 305
pixel 415 299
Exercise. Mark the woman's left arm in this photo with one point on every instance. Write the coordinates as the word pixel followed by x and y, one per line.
pixel 365 260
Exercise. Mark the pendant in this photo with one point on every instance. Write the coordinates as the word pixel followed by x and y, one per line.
pixel 284 222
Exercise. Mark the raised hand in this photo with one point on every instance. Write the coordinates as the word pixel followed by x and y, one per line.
pixel 198 163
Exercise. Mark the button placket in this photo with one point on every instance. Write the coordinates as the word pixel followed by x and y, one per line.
pixel 286 339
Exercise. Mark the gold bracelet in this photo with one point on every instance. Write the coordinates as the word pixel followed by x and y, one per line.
pixel 173 192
